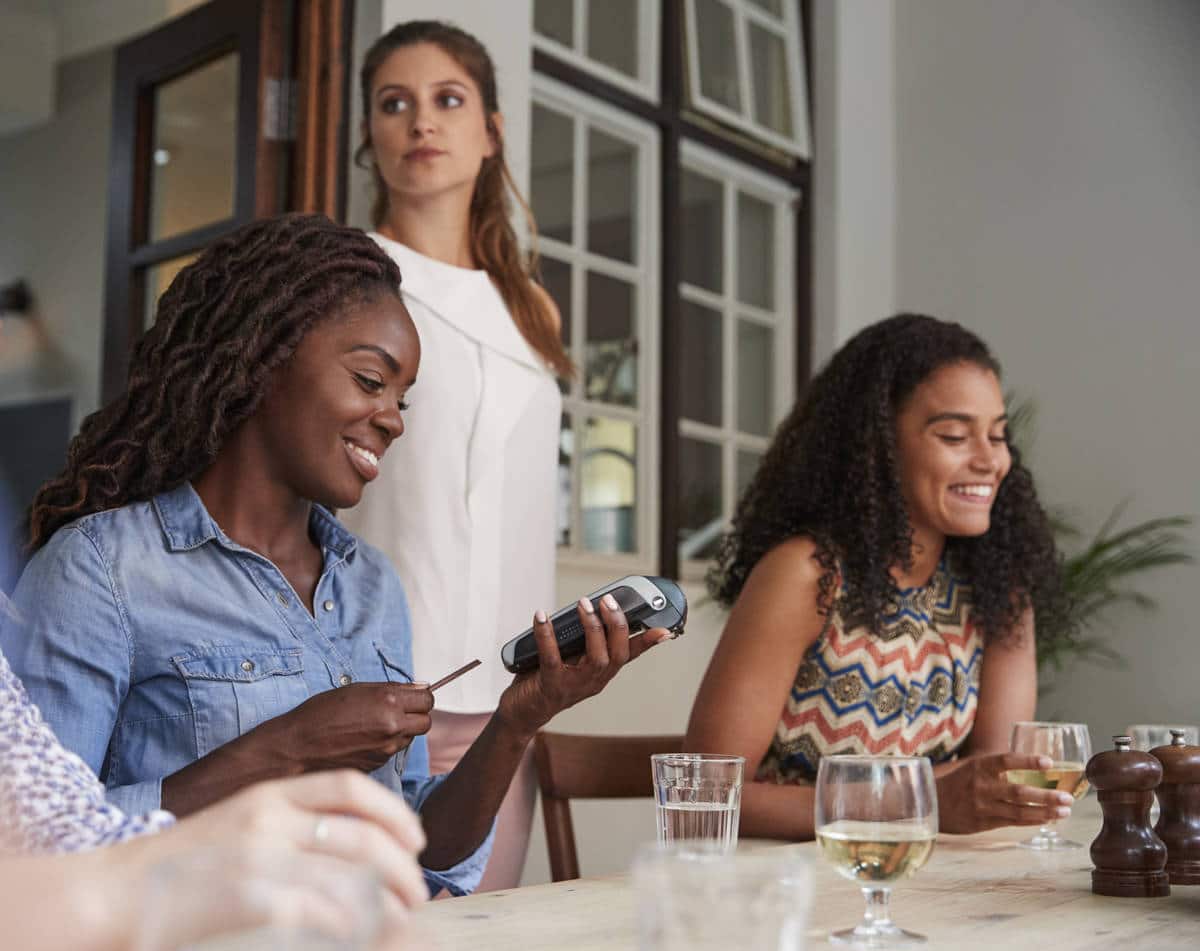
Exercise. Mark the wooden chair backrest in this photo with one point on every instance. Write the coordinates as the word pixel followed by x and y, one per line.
pixel 589 767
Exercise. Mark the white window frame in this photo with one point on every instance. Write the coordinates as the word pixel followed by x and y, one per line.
pixel 735 177
pixel 790 30
pixel 646 83
pixel 644 275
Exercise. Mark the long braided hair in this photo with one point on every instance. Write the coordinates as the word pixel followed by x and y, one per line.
pixel 494 243
pixel 227 321
pixel 831 474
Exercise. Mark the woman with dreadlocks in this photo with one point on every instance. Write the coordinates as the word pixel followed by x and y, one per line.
pixel 885 568
pixel 468 518
pixel 195 618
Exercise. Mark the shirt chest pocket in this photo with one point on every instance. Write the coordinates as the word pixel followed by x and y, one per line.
pixel 393 671
pixel 232 690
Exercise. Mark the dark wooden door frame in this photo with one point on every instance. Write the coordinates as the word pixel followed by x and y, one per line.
pixel 293 69
pixel 216 29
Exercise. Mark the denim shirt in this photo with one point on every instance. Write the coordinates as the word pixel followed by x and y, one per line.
pixel 149 638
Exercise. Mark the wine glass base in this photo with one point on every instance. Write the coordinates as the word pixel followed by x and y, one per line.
pixel 1041 843
pixel 878 936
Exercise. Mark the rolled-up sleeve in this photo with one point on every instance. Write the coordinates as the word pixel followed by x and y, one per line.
pixel 463 878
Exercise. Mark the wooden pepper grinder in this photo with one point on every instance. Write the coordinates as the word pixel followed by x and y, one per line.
pixel 1128 856
pixel 1179 802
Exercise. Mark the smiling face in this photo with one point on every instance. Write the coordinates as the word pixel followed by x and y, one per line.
pixel 334 408
pixel 428 125
pixel 953 452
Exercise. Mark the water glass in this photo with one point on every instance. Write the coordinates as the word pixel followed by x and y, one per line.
pixel 1146 736
pixel 876 822
pixel 694 896
pixel 1069 747
pixel 697 796
pixel 230 900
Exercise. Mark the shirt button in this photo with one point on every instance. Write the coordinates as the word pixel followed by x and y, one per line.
pixel 328 605
pixel 345 680
pixel 281 597
pixel 247 665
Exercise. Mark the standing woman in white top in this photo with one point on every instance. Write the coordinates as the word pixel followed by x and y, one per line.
pixel 468 514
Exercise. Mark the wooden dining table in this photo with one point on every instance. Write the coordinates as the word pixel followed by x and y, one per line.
pixel 977 892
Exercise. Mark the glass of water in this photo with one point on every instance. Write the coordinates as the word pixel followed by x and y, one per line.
pixel 698 796
pixel 876 822
pixel 1146 736
pixel 694 896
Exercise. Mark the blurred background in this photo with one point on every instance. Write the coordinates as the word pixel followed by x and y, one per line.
pixel 726 191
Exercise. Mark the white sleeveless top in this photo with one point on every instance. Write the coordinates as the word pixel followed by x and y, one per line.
pixel 465 501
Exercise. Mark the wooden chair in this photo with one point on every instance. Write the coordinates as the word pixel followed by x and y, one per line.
pixel 589 767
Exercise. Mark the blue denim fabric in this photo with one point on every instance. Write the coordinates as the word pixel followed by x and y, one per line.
pixel 148 638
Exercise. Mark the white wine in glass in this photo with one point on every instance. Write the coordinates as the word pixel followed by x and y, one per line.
pixel 1069 748
pixel 876 823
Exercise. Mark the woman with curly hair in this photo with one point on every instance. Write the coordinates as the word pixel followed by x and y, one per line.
pixel 477 550
pixel 194 618
pixel 885 568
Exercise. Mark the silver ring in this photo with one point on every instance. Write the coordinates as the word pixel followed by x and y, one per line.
pixel 320 831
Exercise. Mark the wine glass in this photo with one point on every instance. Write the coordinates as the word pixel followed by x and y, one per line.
pixel 1069 747
pixel 876 821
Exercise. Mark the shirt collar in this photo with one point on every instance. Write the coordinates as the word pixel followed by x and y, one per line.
pixel 186 524
pixel 465 299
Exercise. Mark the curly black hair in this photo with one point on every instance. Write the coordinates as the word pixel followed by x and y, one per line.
pixel 227 321
pixel 842 433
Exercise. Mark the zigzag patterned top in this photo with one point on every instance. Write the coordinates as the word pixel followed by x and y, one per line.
pixel 911 690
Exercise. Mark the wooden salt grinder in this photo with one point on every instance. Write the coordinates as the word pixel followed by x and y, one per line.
pixel 1179 802
pixel 1128 856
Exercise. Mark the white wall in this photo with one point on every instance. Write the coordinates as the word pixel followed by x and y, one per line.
pixel 853 166
pixel 1048 196
pixel 53 206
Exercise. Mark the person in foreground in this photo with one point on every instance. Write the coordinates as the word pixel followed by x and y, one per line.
pixel 468 516
pixel 50 802
pixel 95 900
pixel 194 617
pixel 885 569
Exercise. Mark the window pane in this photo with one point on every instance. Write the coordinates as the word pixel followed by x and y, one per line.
pixel 193 168
pixel 566 452
pixel 718 54
pixel 609 476
pixel 552 172
pixel 703 227
pixel 700 336
pixel 771 6
pixel 700 521
pixel 747 465
pixel 772 91
pixel 611 343
pixel 556 278
pixel 612 34
pixel 555 19
pixel 158 279
pixel 611 183
pixel 756 251
pixel 755 346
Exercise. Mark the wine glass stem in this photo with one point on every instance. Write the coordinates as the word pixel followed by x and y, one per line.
pixel 1049 830
pixel 876 914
